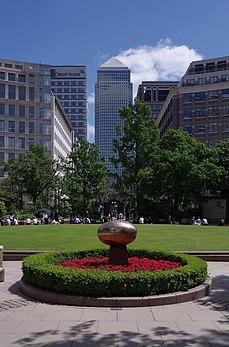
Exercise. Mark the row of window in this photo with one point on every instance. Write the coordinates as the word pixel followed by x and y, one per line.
pixel 68 83
pixel 202 112
pixel 204 80
pixel 12 142
pixel 201 128
pixel 71 97
pixel 13 92
pixel 16 77
pixel 202 96
pixel 12 127
pixel 13 110
pixel 69 90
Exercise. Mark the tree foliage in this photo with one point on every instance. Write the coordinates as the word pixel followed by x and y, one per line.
pixel 31 173
pixel 134 147
pixel 85 176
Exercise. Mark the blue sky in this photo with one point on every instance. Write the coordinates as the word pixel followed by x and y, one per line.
pixel 156 39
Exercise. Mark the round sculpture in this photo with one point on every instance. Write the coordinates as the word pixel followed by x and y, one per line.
pixel 117 233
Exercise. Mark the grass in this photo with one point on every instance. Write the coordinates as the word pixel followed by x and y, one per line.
pixel 157 236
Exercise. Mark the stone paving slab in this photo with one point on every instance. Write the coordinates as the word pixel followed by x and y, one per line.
pixel 199 323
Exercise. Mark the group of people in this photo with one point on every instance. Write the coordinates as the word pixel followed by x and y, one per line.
pixel 199 221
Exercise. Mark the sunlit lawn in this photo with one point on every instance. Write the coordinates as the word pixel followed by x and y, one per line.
pixel 159 236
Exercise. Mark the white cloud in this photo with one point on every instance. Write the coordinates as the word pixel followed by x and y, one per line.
pixel 91 98
pixel 163 61
pixel 90 132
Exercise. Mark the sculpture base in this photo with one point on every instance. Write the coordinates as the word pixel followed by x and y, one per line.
pixel 118 255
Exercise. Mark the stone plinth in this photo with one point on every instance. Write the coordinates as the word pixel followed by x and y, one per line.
pixel 1 265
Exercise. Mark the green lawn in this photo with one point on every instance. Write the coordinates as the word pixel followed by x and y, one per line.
pixel 71 236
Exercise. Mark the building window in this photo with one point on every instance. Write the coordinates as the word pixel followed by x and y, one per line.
pixel 22 93
pixel 21 142
pixel 213 111
pixel 11 156
pixel 213 128
pixel 21 127
pixel 224 78
pixel 190 82
pixel 31 79
pixel 21 111
pixel 21 78
pixel 210 67
pixel 31 112
pixel 11 76
pixel 187 114
pixel 31 128
pixel 11 91
pixel 225 127
pixel 11 110
pixel 40 129
pixel 213 79
pixel 2 90
pixel 225 93
pixel 188 129
pixel 213 95
pixel 1 172
pixel 202 80
pixel 2 125
pixel 187 97
pixel 47 113
pixel 2 109
pixel 47 129
pixel 11 126
pixel 31 93
pixel 200 112
pixel 200 96
pixel 2 141
pixel 31 141
pixel 11 142
pixel 200 129
pixel 2 156
pixel 2 75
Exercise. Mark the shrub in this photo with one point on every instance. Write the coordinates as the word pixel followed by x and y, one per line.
pixel 41 270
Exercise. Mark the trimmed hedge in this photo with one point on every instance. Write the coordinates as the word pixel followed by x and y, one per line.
pixel 41 270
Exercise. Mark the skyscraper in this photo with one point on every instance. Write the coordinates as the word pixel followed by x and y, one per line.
pixel 113 91
pixel 69 85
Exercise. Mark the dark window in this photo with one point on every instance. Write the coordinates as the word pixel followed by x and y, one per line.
pixel 200 96
pixel 162 95
pixel 11 91
pixel 21 78
pixel 1 172
pixel 11 110
pixel 187 98
pixel 210 67
pixel 21 127
pixel 22 93
pixel 2 125
pixel 11 156
pixel 2 90
pixel 200 112
pixel 199 68
pixel 11 126
pixel 188 114
pixel 31 140
pixel 2 156
pixel 222 65
pixel 11 142
pixel 225 93
pixel 2 109
pixel 21 142
pixel 21 111
pixel 31 128
pixel 188 129
pixel 31 93
pixel 213 95
pixel 31 79
pixel 31 112
pixel 11 76
pixel 2 75
pixel 2 141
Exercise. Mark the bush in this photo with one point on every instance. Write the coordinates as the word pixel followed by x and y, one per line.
pixel 41 270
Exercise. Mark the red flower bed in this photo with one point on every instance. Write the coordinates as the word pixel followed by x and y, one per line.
pixel 135 264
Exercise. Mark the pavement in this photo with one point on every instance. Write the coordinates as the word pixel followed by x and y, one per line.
pixel 200 323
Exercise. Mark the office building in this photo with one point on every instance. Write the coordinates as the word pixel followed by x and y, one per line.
pixel 29 112
pixel 113 90
pixel 69 85
pixel 200 104
pixel 154 94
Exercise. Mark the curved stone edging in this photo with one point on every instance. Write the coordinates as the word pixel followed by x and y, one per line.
pixel 155 300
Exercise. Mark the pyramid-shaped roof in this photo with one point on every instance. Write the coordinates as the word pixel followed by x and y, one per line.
pixel 113 62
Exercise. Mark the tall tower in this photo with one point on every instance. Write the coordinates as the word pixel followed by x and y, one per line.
pixel 69 85
pixel 113 91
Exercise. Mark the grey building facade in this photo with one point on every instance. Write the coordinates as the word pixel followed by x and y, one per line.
pixel 69 84
pixel 113 90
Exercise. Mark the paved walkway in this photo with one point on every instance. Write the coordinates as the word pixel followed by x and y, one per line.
pixel 25 322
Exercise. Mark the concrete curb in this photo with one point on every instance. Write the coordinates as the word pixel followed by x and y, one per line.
pixel 155 300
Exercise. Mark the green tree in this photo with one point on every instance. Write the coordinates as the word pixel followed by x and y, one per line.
pixel 222 149
pixel 185 168
pixel 134 147
pixel 31 173
pixel 85 177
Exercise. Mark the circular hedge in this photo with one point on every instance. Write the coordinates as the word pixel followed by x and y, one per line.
pixel 41 270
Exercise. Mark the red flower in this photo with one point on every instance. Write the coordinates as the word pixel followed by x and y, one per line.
pixel 135 264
